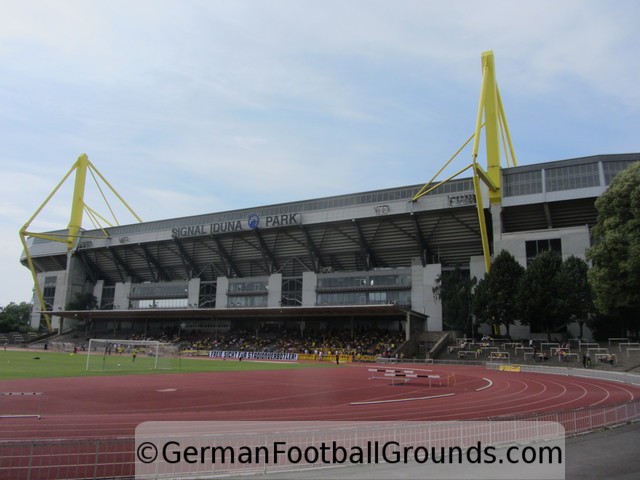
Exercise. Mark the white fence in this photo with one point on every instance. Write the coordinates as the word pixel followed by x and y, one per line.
pixel 622 377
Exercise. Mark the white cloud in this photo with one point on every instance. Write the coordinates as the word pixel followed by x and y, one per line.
pixel 198 106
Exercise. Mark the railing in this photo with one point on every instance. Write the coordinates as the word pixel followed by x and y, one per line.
pixel 629 378
pixel 71 459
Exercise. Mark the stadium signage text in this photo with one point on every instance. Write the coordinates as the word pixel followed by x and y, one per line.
pixel 236 225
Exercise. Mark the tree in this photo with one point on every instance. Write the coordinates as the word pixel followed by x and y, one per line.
pixel 83 301
pixel 575 291
pixel 615 275
pixel 453 289
pixel 495 297
pixel 15 318
pixel 538 297
pixel 480 302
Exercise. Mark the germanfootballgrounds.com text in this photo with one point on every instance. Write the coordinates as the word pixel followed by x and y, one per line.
pixel 333 453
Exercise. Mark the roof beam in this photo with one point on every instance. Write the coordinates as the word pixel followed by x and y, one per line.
pixel 62 264
pixel 189 265
pixel 367 255
pixel 422 243
pixel 93 272
pixel 122 264
pixel 270 259
pixel 230 265
pixel 151 260
pixel 314 253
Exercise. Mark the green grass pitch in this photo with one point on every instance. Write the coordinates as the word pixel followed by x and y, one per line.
pixel 16 364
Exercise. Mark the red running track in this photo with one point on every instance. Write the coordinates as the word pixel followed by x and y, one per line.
pixel 99 407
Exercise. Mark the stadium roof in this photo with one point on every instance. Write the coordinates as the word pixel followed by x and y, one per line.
pixel 355 232
pixel 386 310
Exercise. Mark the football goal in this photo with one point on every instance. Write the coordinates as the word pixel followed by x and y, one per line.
pixel 131 355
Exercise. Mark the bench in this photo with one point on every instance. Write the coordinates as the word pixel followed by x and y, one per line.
pixel 539 356
pixel 606 358
pixel 627 345
pixel 499 356
pixel 600 350
pixel 568 356
pixel 524 350
pixel 464 353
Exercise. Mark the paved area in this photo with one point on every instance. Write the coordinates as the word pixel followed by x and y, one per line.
pixel 608 454
pixel 612 454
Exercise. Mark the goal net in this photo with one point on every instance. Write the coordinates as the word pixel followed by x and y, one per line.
pixel 131 355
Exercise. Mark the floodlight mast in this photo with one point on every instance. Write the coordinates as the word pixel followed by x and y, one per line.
pixel 490 116
pixel 78 207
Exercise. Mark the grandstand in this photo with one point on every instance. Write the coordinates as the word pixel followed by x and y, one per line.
pixel 351 262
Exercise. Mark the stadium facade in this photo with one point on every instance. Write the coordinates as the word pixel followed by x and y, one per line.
pixel 354 261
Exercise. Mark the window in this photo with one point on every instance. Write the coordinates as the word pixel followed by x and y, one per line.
pixel 108 297
pixel 523 183
pixel 611 169
pixel 49 292
pixel 569 178
pixel 207 296
pixel 258 286
pixel 534 247
pixel 291 292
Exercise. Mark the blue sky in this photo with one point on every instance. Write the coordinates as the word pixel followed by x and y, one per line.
pixel 191 107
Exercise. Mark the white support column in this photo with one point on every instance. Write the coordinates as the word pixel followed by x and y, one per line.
pixel 407 328
pixel 193 295
pixel 121 295
pixel 97 291
pixel 221 292
pixel 274 284
pixel 309 282
pixel 433 307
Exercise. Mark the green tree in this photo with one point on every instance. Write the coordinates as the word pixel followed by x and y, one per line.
pixel 453 289
pixel 494 300
pixel 539 293
pixel 615 275
pixel 480 302
pixel 15 318
pixel 83 301
pixel 575 291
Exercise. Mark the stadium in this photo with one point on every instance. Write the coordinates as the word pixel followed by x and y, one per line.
pixel 358 261
pixel 346 263
pixel 315 315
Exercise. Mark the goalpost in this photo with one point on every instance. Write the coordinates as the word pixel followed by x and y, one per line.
pixel 105 354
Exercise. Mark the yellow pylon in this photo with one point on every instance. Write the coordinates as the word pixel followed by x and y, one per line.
pixel 78 207
pixel 490 116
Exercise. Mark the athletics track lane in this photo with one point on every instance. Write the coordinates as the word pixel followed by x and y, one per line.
pixel 99 407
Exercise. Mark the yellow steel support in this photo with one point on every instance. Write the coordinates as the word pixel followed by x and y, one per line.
pixel 491 117
pixel 492 126
pixel 484 236
pixel 78 207
pixel 77 203
pixel 425 189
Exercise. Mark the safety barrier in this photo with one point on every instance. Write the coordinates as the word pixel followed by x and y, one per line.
pixel 71 459
pixel 622 377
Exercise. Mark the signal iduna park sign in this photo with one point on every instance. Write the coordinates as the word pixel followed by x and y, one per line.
pixel 251 223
